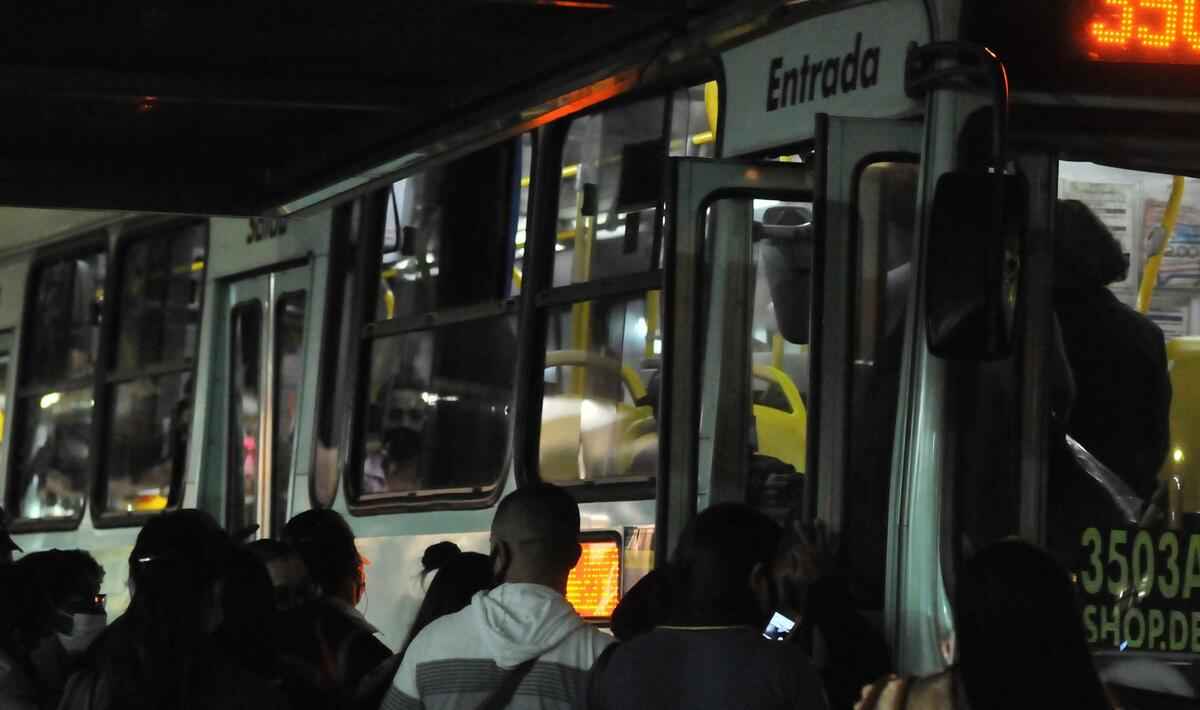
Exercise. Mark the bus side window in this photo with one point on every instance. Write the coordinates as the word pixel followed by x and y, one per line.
pixel 452 249
pixel 53 448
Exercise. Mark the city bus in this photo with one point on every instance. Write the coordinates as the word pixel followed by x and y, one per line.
pixel 804 258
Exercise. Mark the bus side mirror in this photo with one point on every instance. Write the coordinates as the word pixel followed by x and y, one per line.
pixel 973 259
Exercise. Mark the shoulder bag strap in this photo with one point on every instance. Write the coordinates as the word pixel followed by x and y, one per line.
pixel 503 694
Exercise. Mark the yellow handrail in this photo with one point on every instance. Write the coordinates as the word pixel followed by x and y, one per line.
pixel 1170 217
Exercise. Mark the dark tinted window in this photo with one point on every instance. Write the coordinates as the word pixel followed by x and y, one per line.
pixel 449 236
pixel 67 302
pixel 151 380
pixel 162 279
pixel 439 408
pixel 53 456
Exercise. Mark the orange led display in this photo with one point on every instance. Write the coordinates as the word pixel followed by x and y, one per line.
pixel 1116 29
pixel 1166 33
pixel 594 587
pixel 1144 31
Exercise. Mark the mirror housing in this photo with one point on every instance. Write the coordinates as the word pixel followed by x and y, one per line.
pixel 976 226
pixel 785 237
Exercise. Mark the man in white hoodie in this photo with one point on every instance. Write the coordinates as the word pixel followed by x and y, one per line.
pixel 521 645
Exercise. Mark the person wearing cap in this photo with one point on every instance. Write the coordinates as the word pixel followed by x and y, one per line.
pixel 163 652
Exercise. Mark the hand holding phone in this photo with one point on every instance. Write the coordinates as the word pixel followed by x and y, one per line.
pixel 778 627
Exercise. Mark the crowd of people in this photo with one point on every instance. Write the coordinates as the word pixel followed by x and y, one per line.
pixel 213 623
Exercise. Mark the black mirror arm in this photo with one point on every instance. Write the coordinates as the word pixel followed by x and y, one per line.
pixel 976 65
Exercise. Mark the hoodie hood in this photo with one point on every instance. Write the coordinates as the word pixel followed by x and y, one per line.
pixel 522 621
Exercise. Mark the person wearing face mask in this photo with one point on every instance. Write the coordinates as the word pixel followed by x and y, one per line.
pixel 163 651
pixel 53 611
pixel 326 642
pixel 520 645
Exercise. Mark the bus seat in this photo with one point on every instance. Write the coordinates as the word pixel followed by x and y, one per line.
pixel 1183 457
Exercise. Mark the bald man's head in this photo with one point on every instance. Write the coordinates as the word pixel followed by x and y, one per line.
pixel 535 536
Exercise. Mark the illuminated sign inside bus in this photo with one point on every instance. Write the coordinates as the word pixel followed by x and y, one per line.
pixel 594 587
pixel 1141 589
pixel 1143 31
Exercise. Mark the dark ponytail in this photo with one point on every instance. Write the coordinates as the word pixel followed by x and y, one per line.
pixel 437 556
pixel 460 575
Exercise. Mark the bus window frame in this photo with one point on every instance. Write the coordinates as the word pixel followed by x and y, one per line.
pixel 545 298
pixel 90 243
pixel 111 376
pixel 366 330
pixel 330 429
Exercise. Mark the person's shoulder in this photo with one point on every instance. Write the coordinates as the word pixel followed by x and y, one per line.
pixel 593 633
pixel 790 656
pixel 443 635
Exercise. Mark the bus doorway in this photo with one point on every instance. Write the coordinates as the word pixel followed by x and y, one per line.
pixel 262 345
pixel 1123 478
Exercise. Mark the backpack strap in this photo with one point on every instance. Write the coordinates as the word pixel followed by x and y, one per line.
pixel 503 693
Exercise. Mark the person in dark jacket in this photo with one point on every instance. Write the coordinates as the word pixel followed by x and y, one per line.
pixel 50 612
pixel 1116 398
pixel 327 634
pixel 162 652
pixel 711 652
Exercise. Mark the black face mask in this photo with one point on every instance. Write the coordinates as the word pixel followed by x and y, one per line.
pixel 403 444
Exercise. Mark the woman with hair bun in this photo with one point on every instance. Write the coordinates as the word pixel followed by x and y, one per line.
pixel 458 576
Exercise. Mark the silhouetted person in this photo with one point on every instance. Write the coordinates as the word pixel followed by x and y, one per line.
pixel 161 653
pixel 712 653
pixel 249 623
pixel 643 607
pixel 50 612
pixel 328 635
pixel 520 645
pixel 812 588
pixel 1019 639
pixel 1119 405
pixel 7 546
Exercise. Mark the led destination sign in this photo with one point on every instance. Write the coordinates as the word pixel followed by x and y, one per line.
pixel 1116 48
pixel 594 587
pixel 1143 31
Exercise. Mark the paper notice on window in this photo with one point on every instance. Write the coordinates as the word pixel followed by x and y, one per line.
pixel 1112 203
pixel 1181 259
pixel 1173 321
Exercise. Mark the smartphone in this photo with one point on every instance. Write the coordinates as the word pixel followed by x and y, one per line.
pixel 778 627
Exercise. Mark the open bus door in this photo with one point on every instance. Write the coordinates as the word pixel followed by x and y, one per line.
pixel 794 276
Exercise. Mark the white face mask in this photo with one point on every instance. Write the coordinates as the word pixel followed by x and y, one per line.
pixel 85 630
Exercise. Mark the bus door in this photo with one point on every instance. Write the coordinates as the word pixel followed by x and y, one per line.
pixel 264 327
pixel 787 305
